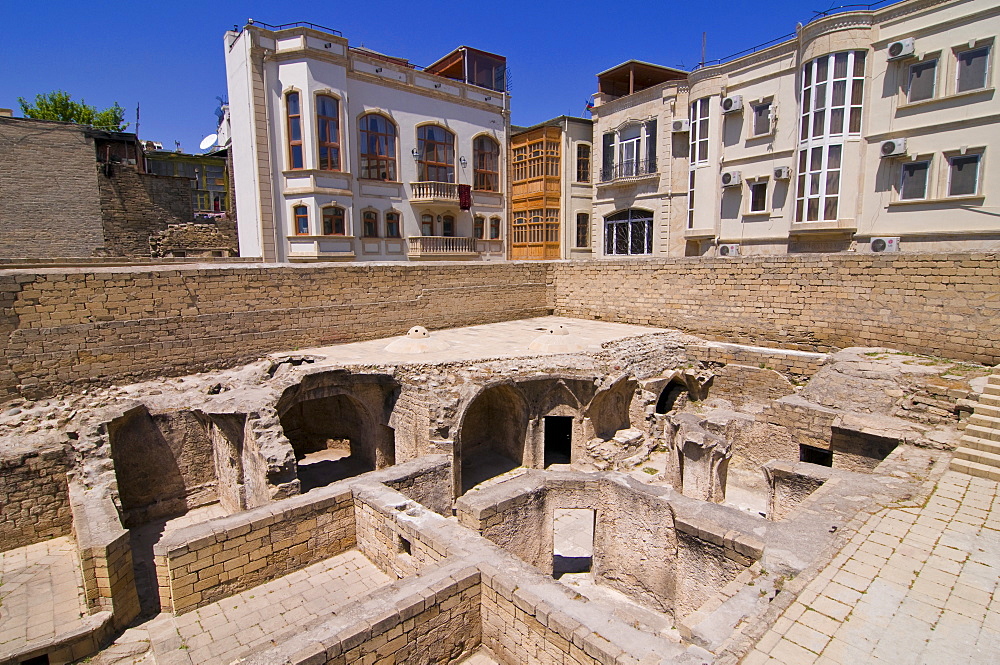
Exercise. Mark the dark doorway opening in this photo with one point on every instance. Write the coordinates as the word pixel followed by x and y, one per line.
pixel 668 397
pixel 814 455
pixel 558 440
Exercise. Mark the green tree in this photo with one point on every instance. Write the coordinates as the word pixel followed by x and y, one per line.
pixel 59 106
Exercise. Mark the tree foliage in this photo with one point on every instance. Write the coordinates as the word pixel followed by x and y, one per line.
pixel 58 105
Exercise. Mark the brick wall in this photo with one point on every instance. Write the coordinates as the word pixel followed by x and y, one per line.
pixel 215 559
pixel 937 304
pixel 136 205
pixel 36 500
pixel 49 204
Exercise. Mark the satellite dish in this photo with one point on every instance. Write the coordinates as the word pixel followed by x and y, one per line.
pixel 208 141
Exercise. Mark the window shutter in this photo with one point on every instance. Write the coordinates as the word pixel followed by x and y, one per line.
pixel 651 144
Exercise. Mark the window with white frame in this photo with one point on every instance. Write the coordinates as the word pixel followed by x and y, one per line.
pixel 698 134
pixel 973 69
pixel 628 232
pixel 691 199
pixel 762 117
pixel 630 151
pixel 757 199
pixel 963 174
pixel 832 96
pixel 914 179
pixel 922 80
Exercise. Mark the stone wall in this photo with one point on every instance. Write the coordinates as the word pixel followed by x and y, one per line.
pixel 936 304
pixel 35 503
pixel 78 326
pixel 49 203
pixel 135 206
pixel 202 563
pixel 791 483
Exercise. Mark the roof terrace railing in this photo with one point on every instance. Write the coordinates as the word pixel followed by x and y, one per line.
pixel 777 40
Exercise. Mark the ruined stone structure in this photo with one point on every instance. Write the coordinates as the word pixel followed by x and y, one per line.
pixel 338 495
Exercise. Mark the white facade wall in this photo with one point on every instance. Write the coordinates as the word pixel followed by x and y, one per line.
pixel 577 197
pixel 870 203
pixel 312 63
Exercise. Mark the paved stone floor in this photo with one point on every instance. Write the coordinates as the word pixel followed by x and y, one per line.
pixel 236 626
pixel 913 586
pixel 573 532
pixel 41 592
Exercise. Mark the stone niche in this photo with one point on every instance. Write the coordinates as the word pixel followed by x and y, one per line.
pixel 337 424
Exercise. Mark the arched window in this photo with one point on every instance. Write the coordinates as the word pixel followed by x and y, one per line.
pixel 369 224
pixel 333 221
pixel 378 147
pixel 479 227
pixel 436 150
pixel 392 224
pixel 486 164
pixel 494 228
pixel 448 226
pixel 300 214
pixel 426 225
pixel 328 128
pixel 294 114
pixel 629 232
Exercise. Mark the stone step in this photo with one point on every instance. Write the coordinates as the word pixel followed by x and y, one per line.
pixel 991 389
pixel 976 443
pixel 991 410
pixel 981 456
pixel 994 379
pixel 981 432
pixel 989 400
pixel 975 469
pixel 983 420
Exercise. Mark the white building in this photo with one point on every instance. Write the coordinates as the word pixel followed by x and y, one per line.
pixel 341 153
pixel 869 131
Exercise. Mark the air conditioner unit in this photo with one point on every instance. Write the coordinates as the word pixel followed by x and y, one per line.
pixel 729 250
pixel 732 104
pixel 782 173
pixel 680 126
pixel 901 49
pixel 893 148
pixel 879 245
pixel 731 178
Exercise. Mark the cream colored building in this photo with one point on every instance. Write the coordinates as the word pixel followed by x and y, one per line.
pixel 342 153
pixel 551 173
pixel 870 131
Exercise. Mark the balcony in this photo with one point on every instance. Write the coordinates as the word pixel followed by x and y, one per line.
pixel 441 247
pixel 628 171
pixel 433 192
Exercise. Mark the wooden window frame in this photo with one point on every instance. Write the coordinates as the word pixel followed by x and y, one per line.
pixel 333 220
pixel 300 212
pixel 294 120
pixel 583 169
pixel 369 217
pixel 323 123
pixel 383 165
pixel 479 227
pixel 494 228
pixel 435 156
pixel 398 224
pixel 485 175
pixel 582 230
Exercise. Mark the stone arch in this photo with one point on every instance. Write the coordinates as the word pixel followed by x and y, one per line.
pixel 337 425
pixel 669 396
pixel 490 437
pixel 610 409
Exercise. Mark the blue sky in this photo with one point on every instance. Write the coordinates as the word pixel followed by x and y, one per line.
pixel 168 56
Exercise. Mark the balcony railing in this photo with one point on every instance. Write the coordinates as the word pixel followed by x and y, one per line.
pixel 431 245
pixel 434 191
pixel 633 168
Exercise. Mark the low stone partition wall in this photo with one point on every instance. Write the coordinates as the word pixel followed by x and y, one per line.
pixel 808 423
pixel 427 481
pixel 34 497
pixel 791 483
pixel 205 562
pixel 798 364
